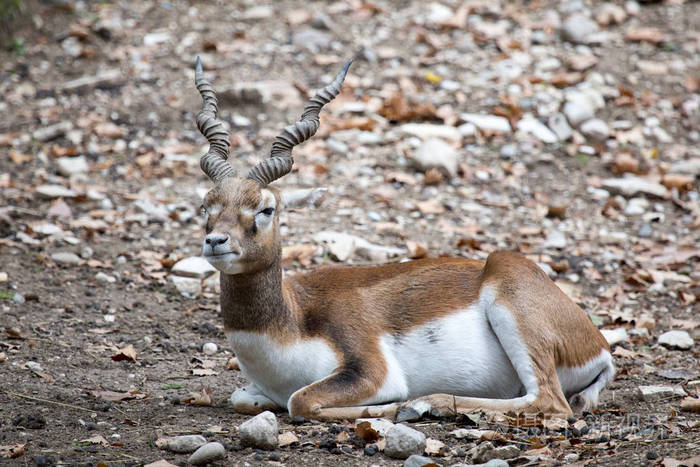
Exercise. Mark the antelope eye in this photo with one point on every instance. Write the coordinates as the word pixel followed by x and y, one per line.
pixel 267 211
pixel 203 209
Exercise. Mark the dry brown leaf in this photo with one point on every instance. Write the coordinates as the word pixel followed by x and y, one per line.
pixel 13 451
pixel 127 353
pixel 625 163
pixel 303 253
pixel 365 431
pixel 286 439
pixel 432 177
pixel 624 353
pixel 416 250
pixel 342 437
pixel 653 35
pixel 3 357
pixel 114 396
pixel 681 182
pixel 400 177
pixel 109 130
pixel 14 333
pixel 205 397
pixel 232 364
pixel 563 80
pixel 19 158
pixel 690 404
pixel 431 206
pixel 397 108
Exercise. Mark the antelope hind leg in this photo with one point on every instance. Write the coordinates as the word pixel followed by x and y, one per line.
pixel 250 400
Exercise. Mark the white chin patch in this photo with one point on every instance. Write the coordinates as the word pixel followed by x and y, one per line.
pixel 228 264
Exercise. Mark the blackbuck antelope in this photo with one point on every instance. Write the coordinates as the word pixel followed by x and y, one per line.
pixel 447 335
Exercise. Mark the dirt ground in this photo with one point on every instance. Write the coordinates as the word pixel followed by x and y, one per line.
pixel 67 325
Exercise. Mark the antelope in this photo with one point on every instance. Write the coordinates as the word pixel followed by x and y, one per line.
pixel 445 335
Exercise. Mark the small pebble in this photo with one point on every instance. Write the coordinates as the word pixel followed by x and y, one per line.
pixel 210 348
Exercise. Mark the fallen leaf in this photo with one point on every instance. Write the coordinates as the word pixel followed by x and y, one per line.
pixel 97 439
pixel 287 438
pixel 434 447
pixel 342 437
pixel 13 451
pixel 365 431
pixel 127 353
pixel 432 177
pixel 690 404
pixel 653 35
pixel 680 182
pixel 397 108
pixel 232 364
pixel 205 397
pixel 416 250
pixel 624 353
pixel 431 206
pixel 3 357
pixel 14 333
pixel 114 396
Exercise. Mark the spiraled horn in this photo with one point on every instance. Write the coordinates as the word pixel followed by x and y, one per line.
pixel 280 161
pixel 214 163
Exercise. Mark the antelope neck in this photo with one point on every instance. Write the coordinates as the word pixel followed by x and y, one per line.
pixel 254 301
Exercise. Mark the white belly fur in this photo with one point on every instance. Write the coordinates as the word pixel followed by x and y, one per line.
pixel 457 354
pixel 277 369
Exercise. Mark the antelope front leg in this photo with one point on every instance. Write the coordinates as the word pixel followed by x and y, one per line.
pixel 337 396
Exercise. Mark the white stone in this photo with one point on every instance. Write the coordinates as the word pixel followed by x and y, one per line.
pixel 467 129
pixel 577 110
pixel 630 186
pixel 156 212
pixel 654 392
pixel 155 38
pixel 468 433
pixel 636 206
pixel 311 39
pixel 68 166
pixel 614 336
pixel 555 239
pixel 260 432
pixel 402 442
pixel 194 266
pixel 486 452
pixel 186 285
pixel 426 131
pixel 676 339
pixel 579 29
pixel 67 258
pixel 537 129
pixel 439 13
pixel 258 12
pixel 55 191
pixel 47 229
pixel 53 131
pixel 103 278
pixel 186 443
pixel 210 348
pixel 436 154
pixel 559 126
pixel 208 453
pixel 595 128
pixel 34 366
pixel 415 460
pixel 691 167
pixel 487 122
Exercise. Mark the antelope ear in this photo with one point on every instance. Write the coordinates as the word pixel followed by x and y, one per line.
pixel 304 198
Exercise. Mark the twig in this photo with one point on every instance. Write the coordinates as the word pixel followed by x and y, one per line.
pixel 70 406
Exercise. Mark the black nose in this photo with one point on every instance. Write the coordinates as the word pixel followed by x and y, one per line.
pixel 215 239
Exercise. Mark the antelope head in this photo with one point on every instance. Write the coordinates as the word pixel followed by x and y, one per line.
pixel 242 213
